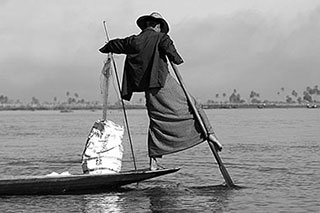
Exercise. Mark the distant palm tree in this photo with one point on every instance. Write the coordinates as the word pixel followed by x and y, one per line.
pixel 294 93
pixel 307 96
pixel 224 95
pixel 315 92
pixel 217 97
pixel 254 96
pixel 318 91
pixel 299 99
pixel 35 101
pixel 76 99
pixel 281 94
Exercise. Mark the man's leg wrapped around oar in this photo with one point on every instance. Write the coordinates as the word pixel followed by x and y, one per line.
pixel 173 126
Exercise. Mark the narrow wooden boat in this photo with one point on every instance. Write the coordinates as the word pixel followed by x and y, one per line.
pixel 76 184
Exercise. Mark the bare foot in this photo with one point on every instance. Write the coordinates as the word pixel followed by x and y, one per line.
pixel 153 164
pixel 216 142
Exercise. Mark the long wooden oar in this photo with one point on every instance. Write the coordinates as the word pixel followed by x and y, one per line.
pixel 222 168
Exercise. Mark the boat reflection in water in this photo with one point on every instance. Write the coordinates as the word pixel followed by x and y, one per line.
pixel 166 197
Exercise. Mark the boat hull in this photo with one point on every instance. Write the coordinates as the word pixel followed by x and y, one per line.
pixel 76 184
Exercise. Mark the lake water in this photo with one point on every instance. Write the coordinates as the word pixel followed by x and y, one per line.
pixel 273 154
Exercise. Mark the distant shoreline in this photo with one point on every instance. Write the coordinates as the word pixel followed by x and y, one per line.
pixel 259 106
pixel 69 108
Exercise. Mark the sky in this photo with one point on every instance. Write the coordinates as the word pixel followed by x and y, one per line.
pixel 48 48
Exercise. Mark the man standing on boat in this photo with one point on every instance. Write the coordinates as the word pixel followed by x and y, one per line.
pixel 173 126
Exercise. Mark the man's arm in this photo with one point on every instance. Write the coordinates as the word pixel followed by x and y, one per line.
pixel 166 45
pixel 119 46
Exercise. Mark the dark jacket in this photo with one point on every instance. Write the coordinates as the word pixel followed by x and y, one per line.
pixel 146 63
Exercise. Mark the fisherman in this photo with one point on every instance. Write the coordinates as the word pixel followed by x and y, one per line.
pixel 172 126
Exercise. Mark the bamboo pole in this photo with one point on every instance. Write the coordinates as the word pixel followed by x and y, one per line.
pixel 122 102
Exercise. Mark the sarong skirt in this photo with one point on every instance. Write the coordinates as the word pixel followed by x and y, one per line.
pixel 172 126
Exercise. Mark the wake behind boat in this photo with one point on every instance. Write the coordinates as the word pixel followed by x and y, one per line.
pixel 76 184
